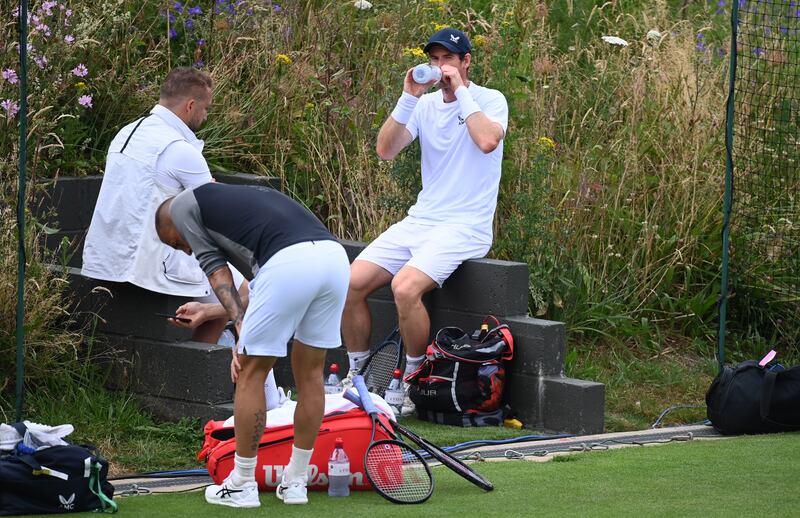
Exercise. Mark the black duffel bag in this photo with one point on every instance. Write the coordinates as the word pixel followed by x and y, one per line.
pixel 57 479
pixel 751 398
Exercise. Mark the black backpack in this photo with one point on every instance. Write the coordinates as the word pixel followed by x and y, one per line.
pixel 751 398
pixel 462 379
pixel 57 479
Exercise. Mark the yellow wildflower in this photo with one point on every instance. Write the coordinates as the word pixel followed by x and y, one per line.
pixel 546 142
pixel 80 85
pixel 414 51
pixel 283 59
pixel 438 26
pixel 479 41
pixel 439 3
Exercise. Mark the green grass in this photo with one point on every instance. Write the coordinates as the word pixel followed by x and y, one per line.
pixel 733 477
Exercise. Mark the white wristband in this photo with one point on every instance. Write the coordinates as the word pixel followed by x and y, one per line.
pixel 466 102
pixel 404 108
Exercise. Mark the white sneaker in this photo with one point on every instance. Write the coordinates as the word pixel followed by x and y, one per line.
pixel 347 382
pixel 292 492
pixel 233 496
pixel 408 407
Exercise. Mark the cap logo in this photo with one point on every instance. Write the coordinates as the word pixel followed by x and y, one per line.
pixel 454 38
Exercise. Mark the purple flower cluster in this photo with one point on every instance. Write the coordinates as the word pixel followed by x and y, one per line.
pixel 10 76
pixel 11 108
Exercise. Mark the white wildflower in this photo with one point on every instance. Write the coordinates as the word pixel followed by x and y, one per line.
pixel 615 40
pixel 362 4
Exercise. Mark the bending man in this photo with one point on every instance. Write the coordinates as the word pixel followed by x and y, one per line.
pixel 298 276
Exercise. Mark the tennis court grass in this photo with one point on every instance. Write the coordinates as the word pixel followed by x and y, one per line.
pixel 726 477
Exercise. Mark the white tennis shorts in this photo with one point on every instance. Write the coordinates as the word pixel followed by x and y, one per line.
pixel 435 250
pixel 299 292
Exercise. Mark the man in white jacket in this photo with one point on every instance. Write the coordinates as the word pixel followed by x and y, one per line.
pixel 150 160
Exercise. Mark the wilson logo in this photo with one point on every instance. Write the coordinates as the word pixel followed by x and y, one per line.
pixel 67 504
pixel 274 474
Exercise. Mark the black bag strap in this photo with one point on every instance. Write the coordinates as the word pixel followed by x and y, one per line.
pixel 134 131
pixel 767 389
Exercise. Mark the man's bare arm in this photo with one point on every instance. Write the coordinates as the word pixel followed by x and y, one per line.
pixel 222 282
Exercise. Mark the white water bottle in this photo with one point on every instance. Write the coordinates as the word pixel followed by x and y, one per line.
pixel 395 394
pixel 339 471
pixel 333 384
pixel 425 73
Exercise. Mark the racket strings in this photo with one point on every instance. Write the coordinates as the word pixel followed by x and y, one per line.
pixel 398 472
pixel 380 369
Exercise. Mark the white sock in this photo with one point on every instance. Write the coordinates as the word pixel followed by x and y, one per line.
pixel 271 391
pixel 244 469
pixel 298 464
pixel 357 358
pixel 413 363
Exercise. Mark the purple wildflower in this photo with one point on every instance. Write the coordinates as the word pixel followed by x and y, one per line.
pixel 178 6
pixel 41 61
pixel 201 43
pixel 195 10
pixel 85 100
pixel 10 76
pixel 199 64
pixel 173 34
pixel 69 39
pixel 80 70
pixel 276 8
pixel 11 107
pixel 189 24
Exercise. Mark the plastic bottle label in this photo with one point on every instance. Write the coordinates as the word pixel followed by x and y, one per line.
pixel 332 389
pixel 338 469
pixel 395 397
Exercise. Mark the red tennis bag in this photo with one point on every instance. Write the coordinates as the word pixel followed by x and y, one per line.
pixel 275 448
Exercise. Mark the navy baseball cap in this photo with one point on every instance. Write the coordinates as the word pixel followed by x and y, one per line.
pixel 451 39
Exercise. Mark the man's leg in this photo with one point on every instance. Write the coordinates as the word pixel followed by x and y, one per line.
pixel 250 413
pixel 307 367
pixel 408 286
pixel 365 277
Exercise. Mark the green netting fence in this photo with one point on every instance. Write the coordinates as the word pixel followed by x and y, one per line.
pixel 762 263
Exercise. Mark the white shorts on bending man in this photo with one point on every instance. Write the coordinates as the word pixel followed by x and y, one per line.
pixel 298 276
pixel 149 160
pixel 461 127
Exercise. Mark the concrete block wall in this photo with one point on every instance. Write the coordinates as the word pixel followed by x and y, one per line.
pixel 174 377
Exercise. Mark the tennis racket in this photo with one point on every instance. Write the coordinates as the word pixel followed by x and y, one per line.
pixel 396 471
pixel 434 451
pixel 380 364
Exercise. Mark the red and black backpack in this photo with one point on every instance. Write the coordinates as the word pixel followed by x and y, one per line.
pixel 462 379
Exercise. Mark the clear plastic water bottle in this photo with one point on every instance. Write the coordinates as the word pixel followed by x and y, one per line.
pixel 395 394
pixel 333 383
pixel 339 471
pixel 425 73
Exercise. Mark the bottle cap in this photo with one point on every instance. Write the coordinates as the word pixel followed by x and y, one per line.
pixel 339 442
pixel 334 368
pixel 396 373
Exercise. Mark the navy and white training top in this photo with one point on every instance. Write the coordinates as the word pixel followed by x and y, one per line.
pixel 242 224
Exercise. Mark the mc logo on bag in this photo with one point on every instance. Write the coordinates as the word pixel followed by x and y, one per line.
pixel 463 374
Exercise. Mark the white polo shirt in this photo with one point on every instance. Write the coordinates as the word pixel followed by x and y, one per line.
pixel 459 181
pixel 148 161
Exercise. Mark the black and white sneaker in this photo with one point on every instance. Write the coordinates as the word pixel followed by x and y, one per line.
pixel 292 491
pixel 232 495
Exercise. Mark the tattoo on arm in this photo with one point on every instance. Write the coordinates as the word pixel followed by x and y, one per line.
pixel 230 300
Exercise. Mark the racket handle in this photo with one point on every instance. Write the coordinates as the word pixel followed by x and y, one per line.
pixel 363 393
pixel 353 398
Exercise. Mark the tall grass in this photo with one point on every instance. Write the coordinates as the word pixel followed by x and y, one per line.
pixel 613 169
